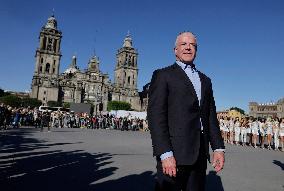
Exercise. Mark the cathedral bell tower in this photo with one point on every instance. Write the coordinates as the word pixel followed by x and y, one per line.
pixel 126 74
pixel 126 71
pixel 45 78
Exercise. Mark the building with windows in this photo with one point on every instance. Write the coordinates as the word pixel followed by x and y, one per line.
pixel 229 113
pixel 265 110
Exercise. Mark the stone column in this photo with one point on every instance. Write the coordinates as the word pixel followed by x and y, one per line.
pixel 43 67
pixel 58 46
pixel 47 39
pixel 37 64
pixel 41 42
pixel 57 67
pixel 135 61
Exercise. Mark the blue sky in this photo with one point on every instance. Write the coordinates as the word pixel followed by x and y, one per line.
pixel 240 42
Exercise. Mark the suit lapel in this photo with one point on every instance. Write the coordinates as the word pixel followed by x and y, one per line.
pixel 180 73
pixel 203 87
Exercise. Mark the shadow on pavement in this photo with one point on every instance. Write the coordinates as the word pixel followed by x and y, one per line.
pixel 279 163
pixel 32 169
pixel 23 166
pixel 213 182
pixel 138 182
pixel 146 181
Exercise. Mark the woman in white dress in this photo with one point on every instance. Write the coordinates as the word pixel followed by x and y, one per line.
pixel 244 125
pixel 221 125
pixel 231 130
pixel 254 130
pixel 276 133
pixel 281 133
pixel 249 131
pixel 226 129
pixel 237 131
pixel 261 133
pixel 269 131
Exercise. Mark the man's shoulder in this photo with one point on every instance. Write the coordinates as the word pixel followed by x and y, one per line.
pixel 204 76
pixel 165 69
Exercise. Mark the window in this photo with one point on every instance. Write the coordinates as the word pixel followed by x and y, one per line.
pixel 41 60
pixel 54 45
pixel 47 67
pixel 44 43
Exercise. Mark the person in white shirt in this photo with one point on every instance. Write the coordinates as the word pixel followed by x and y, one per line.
pixel 269 131
pixel 255 129
pixel 231 130
pixel 281 133
pixel 237 131
pixel 244 125
pixel 249 131
pixel 276 133
pixel 261 133
pixel 226 129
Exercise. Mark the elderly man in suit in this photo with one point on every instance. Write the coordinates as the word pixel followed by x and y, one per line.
pixel 182 121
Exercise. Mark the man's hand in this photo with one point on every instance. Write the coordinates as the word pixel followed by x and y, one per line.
pixel 218 160
pixel 169 166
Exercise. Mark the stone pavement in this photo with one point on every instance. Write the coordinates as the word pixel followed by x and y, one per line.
pixel 105 160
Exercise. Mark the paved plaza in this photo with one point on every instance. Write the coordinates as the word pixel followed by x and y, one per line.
pixel 85 159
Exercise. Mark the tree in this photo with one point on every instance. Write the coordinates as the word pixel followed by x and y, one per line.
pixel 53 104
pixel 238 109
pixel 66 105
pixel 11 100
pixel 31 102
pixel 118 105
pixel 3 93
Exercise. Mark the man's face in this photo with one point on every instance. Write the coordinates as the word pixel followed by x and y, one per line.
pixel 185 49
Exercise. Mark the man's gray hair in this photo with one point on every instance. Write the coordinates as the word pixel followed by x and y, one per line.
pixel 183 33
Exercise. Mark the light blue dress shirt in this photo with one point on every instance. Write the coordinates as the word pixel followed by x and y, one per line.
pixel 193 75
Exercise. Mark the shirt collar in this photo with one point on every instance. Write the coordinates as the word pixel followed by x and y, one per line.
pixel 185 66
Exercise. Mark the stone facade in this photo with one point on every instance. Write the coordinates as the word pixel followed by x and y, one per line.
pixel 267 109
pixel 88 86
pixel 229 113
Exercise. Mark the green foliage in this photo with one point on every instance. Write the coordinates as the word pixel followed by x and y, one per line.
pixel 53 104
pixel 31 102
pixel 238 109
pixel 66 105
pixel 118 105
pixel 3 93
pixel 11 100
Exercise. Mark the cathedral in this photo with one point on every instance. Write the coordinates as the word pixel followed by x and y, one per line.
pixel 88 86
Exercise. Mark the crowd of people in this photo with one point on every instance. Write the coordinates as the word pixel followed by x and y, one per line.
pixel 266 133
pixel 248 131
pixel 16 117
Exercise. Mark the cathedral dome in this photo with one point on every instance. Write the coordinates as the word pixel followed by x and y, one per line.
pixel 51 23
pixel 73 68
pixel 127 41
